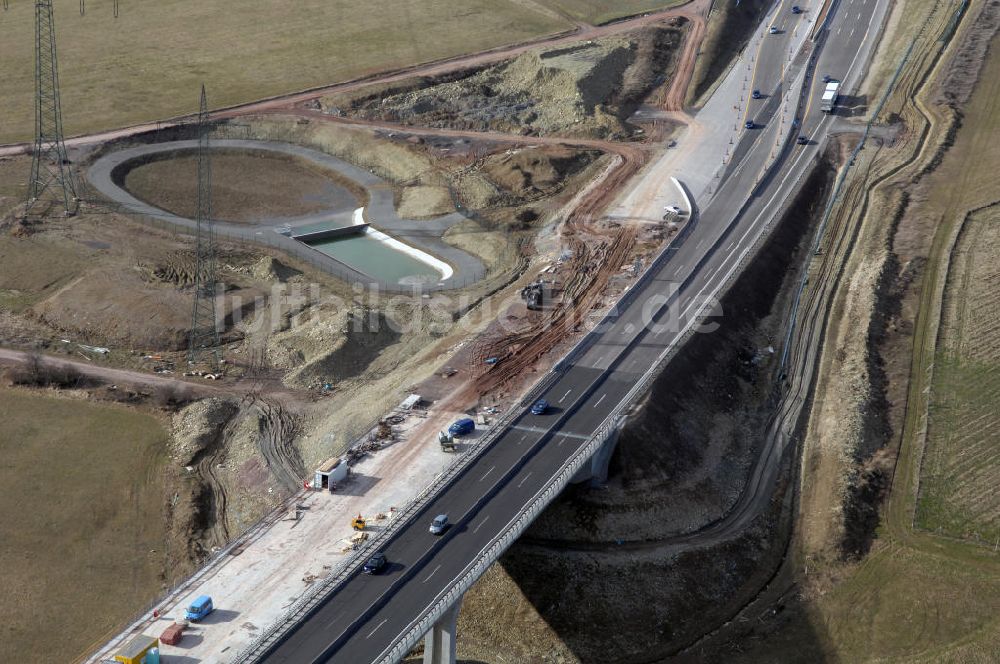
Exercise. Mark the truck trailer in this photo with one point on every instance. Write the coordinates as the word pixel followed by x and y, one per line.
pixel 830 95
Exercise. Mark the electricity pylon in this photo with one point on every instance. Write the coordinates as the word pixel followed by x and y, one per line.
pixel 51 179
pixel 204 327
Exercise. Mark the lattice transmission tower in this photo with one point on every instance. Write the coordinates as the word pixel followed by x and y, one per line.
pixel 51 181
pixel 204 327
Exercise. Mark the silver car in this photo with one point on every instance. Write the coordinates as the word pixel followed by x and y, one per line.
pixel 439 524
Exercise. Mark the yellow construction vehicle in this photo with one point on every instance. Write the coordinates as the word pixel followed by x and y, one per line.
pixel 358 522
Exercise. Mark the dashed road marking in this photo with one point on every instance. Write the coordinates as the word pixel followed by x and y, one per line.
pixel 432 574
pixel 476 529
pixel 487 473
pixel 565 395
pixel 600 400
pixel 521 483
pixel 376 628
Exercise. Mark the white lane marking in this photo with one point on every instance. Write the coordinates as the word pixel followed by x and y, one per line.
pixel 600 400
pixel 522 439
pixel 376 628
pixel 679 268
pixel 335 619
pixel 487 473
pixel 476 530
pixel 700 242
pixel 521 483
pixel 432 574
pixel 562 439
pixel 565 395
pixel 731 245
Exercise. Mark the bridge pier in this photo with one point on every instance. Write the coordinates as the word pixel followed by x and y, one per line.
pixel 596 472
pixel 439 642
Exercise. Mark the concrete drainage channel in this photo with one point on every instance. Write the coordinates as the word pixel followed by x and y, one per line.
pixel 358 253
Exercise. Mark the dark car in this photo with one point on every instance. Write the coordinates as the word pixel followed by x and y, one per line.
pixel 802 140
pixel 748 124
pixel 796 9
pixel 539 407
pixel 375 564
pixel 755 94
pixel 462 427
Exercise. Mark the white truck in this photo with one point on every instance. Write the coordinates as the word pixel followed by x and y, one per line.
pixel 830 95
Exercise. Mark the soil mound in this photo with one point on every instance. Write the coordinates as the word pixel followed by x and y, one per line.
pixel 198 426
pixel 588 89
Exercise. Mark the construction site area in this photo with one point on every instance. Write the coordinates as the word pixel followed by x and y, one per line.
pixel 263 307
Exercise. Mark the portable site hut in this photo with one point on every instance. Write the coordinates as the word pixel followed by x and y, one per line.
pixel 135 651
pixel 332 471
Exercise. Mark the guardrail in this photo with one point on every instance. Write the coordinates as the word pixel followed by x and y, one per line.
pixel 487 556
pixel 307 603
pixel 836 194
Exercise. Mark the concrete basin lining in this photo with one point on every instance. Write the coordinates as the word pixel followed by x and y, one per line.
pixel 424 236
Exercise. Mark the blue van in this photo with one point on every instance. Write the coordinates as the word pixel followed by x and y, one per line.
pixel 199 608
pixel 462 427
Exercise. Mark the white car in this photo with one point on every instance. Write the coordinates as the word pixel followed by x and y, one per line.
pixel 439 524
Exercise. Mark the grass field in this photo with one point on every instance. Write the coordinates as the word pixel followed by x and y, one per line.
pixel 928 590
pixel 35 268
pixel 603 11
pixel 149 63
pixel 83 526
pixel 961 465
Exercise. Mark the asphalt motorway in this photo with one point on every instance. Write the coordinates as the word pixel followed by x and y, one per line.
pixel 368 614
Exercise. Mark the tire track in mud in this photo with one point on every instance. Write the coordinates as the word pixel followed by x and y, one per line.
pixel 278 428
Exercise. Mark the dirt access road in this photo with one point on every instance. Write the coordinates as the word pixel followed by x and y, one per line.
pixel 114 376
pixel 694 11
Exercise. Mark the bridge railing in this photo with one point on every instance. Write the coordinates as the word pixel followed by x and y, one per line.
pixel 420 626
pixel 322 591
pixel 516 527
pixel 492 552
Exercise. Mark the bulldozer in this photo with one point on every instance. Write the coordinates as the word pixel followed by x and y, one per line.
pixel 358 522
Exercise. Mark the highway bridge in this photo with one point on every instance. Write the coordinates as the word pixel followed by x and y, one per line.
pixel 495 493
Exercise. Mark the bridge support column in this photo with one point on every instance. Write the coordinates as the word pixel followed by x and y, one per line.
pixel 597 470
pixel 439 643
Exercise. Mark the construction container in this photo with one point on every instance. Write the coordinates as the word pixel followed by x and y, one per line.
pixel 135 651
pixel 332 471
